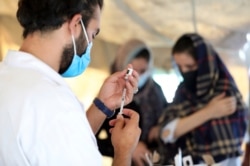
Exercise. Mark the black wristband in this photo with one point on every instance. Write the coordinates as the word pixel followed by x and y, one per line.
pixel 100 105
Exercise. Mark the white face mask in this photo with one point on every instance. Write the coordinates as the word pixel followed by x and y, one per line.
pixel 143 78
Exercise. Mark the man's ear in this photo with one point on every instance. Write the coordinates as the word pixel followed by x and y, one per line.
pixel 73 25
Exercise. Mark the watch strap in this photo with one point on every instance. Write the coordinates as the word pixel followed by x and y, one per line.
pixel 100 105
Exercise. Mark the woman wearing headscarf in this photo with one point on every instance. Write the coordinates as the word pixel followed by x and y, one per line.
pixel 207 117
pixel 149 101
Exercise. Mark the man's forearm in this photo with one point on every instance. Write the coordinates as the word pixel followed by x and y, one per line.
pixel 95 118
pixel 122 159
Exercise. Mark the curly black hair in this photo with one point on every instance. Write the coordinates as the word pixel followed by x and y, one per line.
pixel 46 15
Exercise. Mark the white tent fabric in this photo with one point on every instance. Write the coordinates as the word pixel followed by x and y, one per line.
pixel 159 23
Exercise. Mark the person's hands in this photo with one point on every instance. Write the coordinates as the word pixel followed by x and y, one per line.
pixel 111 90
pixel 125 132
pixel 139 155
pixel 221 106
pixel 153 133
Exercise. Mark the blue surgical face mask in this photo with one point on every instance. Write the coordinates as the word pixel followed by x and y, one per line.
pixel 143 78
pixel 79 62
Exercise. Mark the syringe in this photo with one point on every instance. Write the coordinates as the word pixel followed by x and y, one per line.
pixel 129 72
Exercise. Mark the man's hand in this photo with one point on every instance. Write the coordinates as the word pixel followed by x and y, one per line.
pixel 110 95
pixel 125 136
pixel 111 90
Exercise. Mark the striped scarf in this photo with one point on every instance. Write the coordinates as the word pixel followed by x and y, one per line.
pixel 221 138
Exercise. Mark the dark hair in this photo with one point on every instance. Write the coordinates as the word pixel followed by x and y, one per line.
pixel 144 53
pixel 184 44
pixel 45 15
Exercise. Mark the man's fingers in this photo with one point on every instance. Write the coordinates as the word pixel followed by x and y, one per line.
pixel 112 122
pixel 110 130
pixel 132 115
pixel 119 123
pixel 118 75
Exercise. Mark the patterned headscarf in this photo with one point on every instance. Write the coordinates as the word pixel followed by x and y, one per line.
pixel 221 138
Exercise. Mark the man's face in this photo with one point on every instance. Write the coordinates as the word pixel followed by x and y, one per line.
pixel 81 43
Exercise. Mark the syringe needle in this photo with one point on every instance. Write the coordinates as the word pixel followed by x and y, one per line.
pixel 129 72
pixel 123 100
